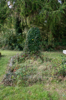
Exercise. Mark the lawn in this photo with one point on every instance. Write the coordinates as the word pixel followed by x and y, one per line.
pixel 48 87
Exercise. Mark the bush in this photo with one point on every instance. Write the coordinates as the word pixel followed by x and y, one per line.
pixel 9 40
pixel 33 40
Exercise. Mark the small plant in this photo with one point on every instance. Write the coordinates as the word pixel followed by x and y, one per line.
pixel 59 67
pixel 21 75
pixel 62 70
pixel 64 61
pixel 22 59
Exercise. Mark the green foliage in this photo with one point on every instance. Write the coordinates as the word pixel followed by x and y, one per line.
pixel 60 66
pixel 48 15
pixel 33 40
pixel 29 7
pixel 56 62
pixel 51 19
pixel 9 40
pixel 62 70
pixel 4 12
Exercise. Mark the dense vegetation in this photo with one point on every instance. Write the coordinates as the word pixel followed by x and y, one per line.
pixel 48 15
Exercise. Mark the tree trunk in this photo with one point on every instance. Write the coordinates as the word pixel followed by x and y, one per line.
pixel 0 54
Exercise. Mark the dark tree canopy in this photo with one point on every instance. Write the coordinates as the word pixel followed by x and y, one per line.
pixel 48 15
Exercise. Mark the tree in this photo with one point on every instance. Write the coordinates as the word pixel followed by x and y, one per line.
pixel 48 15
pixel 4 12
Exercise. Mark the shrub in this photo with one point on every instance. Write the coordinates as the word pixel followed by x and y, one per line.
pixel 9 40
pixel 33 40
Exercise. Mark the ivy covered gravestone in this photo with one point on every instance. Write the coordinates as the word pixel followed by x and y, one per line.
pixel 33 40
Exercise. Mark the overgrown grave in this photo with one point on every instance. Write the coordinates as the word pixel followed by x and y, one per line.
pixel 23 73
pixel 19 73
pixel 32 48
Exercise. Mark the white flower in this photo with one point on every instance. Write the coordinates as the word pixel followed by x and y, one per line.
pixel 10 6
pixel 60 1
pixel 8 3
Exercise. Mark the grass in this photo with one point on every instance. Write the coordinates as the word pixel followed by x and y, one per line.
pixel 48 89
pixel 35 92
pixel 5 59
